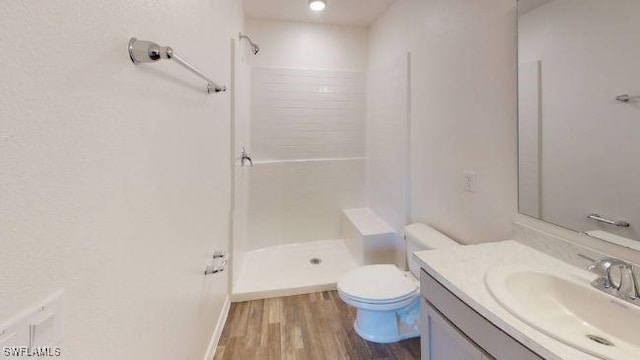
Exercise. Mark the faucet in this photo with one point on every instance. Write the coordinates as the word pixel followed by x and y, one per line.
pixel 244 156
pixel 626 288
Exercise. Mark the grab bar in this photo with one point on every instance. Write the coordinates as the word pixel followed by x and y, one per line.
pixel 620 223
pixel 143 51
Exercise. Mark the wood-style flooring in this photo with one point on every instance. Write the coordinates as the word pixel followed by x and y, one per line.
pixel 314 326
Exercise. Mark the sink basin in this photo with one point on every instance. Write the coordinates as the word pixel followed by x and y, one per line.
pixel 565 307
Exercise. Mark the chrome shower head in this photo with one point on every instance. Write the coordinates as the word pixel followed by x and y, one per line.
pixel 254 47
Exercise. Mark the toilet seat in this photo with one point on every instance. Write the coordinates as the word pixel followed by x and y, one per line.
pixel 377 285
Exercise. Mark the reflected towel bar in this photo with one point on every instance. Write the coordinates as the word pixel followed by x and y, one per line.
pixel 142 51
pixel 596 217
pixel 627 98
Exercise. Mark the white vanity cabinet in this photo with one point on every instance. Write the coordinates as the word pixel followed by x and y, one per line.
pixel 441 340
pixel 453 330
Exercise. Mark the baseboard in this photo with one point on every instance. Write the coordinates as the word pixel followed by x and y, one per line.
pixel 217 333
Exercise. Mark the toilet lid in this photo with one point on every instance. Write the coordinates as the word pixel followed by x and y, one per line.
pixel 377 283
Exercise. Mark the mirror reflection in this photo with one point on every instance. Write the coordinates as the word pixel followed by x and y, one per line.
pixel 579 115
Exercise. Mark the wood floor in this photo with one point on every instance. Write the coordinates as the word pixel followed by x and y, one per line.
pixel 307 327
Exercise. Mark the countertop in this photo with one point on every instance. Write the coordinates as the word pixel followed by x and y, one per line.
pixel 461 269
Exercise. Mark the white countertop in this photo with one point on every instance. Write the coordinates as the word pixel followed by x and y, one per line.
pixel 462 269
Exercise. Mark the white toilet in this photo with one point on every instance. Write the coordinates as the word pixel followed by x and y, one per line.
pixel 387 298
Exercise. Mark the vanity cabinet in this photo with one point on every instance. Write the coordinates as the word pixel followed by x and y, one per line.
pixel 441 340
pixel 453 330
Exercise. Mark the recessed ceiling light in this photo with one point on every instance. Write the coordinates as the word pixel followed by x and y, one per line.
pixel 317 5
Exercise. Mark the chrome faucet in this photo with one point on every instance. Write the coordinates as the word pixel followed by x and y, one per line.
pixel 626 287
pixel 244 157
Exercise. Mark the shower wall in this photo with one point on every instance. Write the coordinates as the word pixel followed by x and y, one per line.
pixel 307 139
pixel 306 133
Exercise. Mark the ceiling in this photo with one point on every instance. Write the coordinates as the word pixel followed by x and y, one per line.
pixel 339 12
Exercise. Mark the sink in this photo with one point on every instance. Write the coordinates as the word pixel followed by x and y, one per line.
pixel 565 307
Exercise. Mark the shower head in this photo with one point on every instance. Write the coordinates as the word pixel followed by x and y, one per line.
pixel 254 47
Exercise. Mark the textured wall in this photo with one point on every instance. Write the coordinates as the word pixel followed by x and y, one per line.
pixel 114 179
pixel 463 110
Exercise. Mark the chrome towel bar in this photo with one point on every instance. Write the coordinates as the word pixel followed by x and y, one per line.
pixel 142 51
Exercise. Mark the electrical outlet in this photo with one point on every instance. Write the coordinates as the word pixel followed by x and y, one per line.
pixel 470 180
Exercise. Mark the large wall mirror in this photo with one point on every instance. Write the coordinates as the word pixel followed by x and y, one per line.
pixel 579 115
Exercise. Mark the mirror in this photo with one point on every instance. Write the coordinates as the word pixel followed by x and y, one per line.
pixel 579 115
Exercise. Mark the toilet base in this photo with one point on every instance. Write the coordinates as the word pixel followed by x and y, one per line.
pixel 389 326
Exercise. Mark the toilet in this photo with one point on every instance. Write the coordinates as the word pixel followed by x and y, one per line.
pixel 387 298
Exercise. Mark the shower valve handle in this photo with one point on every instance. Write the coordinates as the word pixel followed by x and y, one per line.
pixel 244 156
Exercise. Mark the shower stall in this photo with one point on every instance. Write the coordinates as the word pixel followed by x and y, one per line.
pixel 319 143
pixel 306 140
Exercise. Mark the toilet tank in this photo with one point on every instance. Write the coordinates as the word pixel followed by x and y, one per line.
pixel 423 237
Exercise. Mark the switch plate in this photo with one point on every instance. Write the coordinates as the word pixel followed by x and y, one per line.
pixel 470 180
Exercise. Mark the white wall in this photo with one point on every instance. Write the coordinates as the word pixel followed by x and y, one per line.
pixel 301 114
pixel 589 140
pixel 301 201
pixel 306 133
pixel 388 158
pixel 309 46
pixel 463 110
pixel 529 139
pixel 240 138
pixel 388 141
pixel 307 142
pixel 114 178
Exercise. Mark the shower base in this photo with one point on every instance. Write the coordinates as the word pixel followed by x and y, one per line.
pixel 292 269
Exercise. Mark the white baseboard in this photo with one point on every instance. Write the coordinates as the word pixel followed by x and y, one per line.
pixel 217 333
